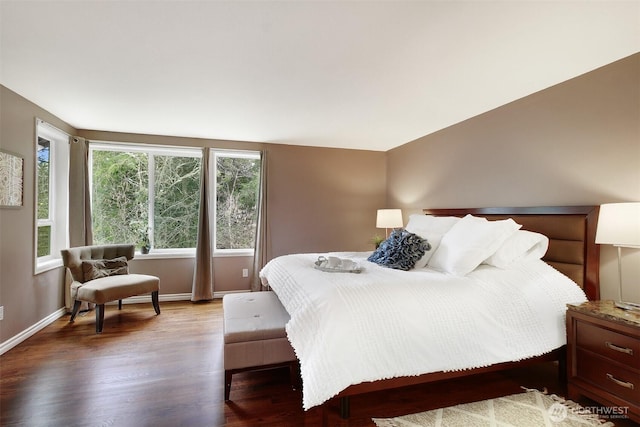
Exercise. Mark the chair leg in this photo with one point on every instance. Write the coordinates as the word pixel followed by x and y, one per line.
pixel 99 318
pixel 74 312
pixel 154 300
pixel 227 385
pixel 119 304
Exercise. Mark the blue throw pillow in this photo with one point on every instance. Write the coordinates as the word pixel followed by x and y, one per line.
pixel 400 251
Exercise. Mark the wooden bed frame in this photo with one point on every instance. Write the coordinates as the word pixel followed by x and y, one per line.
pixel 572 251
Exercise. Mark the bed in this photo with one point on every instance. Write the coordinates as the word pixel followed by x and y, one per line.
pixel 342 309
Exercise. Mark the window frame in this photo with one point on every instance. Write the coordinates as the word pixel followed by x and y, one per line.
pixel 215 153
pixel 58 218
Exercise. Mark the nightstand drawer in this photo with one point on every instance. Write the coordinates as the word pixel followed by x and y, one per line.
pixel 612 378
pixel 615 346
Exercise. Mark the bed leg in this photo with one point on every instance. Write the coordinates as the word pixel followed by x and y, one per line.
pixel 562 367
pixel 294 375
pixel 325 415
pixel 345 407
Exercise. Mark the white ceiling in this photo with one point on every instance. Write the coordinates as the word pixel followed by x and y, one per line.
pixel 352 74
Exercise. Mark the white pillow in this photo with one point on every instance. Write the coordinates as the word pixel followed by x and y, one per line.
pixel 520 246
pixel 469 242
pixel 431 228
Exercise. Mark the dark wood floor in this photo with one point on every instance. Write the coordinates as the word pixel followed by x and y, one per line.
pixel 148 370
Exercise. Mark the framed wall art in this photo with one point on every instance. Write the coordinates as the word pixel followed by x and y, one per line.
pixel 11 179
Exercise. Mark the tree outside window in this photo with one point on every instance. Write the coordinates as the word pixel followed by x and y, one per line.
pixel 119 196
pixel 151 195
pixel 237 186
pixel 43 172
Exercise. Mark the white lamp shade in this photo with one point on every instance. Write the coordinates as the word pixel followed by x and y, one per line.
pixel 389 218
pixel 619 224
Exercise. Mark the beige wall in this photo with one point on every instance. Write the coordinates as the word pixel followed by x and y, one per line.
pixel 574 143
pixel 323 199
pixel 27 299
pixel 319 199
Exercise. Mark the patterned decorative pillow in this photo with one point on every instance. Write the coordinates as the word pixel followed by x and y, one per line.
pixel 97 268
pixel 400 251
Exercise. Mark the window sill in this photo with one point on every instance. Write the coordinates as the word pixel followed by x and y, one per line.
pixel 233 253
pixel 44 266
pixel 159 254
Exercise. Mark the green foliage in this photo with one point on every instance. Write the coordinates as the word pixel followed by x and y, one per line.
pixel 120 196
pixel 120 200
pixel 44 240
pixel 376 240
pixel 238 180
pixel 177 201
pixel 43 179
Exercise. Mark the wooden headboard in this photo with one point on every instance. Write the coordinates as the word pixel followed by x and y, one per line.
pixel 572 237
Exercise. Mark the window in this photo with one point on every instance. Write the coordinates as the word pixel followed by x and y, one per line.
pixel 147 195
pixel 43 156
pixel 51 213
pixel 237 183
pixel 150 193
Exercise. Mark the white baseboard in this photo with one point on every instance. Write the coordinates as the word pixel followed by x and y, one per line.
pixel 169 297
pixel 29 332
pixel 147 298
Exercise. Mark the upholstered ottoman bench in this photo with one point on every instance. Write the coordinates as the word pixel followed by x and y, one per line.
pixel 254 336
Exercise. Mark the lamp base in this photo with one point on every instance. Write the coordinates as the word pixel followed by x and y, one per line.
pixel 627 305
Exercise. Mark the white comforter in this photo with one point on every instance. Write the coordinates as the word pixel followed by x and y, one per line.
pixel 350 328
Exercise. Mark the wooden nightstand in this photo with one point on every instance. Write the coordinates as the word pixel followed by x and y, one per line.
pixel 603 356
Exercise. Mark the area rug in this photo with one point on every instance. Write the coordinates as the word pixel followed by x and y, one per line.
pixel 529 409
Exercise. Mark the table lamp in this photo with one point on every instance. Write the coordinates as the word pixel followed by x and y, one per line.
pixel 389 218
pixel 619 225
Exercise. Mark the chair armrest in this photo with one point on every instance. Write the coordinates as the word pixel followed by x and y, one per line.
pixel 69 284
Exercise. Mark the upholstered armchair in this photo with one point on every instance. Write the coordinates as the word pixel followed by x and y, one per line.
pixel 100 274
